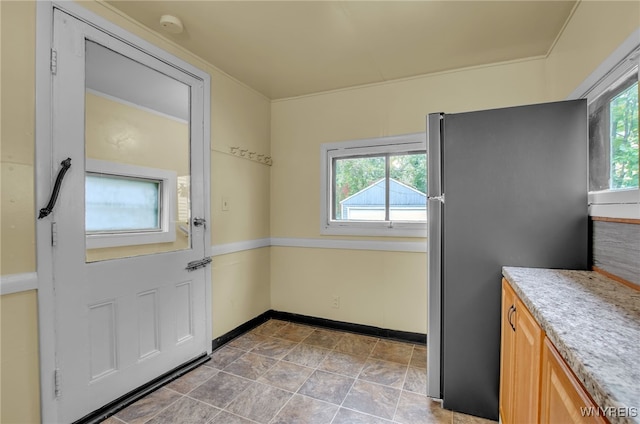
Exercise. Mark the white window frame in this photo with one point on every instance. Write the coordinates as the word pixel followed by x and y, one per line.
pixel 383 145
pixel 168 196
pixel 621 203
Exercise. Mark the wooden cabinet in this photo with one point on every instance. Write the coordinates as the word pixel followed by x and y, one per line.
pixel 562 396
pixel 507 353
pixel 520 361
pixel 536 385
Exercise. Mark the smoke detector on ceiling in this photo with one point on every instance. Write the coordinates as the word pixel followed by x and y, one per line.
pixel 171 24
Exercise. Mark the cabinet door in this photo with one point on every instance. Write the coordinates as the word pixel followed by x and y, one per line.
pixel 562 395
pixel 528 347
pixel 507 352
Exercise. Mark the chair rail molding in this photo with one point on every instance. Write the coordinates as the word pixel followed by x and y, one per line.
pixel 14 283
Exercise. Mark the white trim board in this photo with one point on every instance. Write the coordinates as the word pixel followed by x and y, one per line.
pixel 388 246
pixel 15 283
pixel 239 246
pixel 315 243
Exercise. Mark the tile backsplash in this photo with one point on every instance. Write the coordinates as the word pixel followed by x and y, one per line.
pixel 615 248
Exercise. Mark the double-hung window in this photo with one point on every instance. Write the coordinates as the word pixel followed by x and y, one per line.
pixel 613 141
pixel 375 187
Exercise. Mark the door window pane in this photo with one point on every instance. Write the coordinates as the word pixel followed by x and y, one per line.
pixel 137 147
pixel 120 204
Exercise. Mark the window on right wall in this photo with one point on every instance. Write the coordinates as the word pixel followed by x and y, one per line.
pixel 613 137
pixel 614 171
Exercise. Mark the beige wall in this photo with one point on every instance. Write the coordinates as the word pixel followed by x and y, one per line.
pixel 19 377
pixel 376 288
pixel 240 117
pixel 595 30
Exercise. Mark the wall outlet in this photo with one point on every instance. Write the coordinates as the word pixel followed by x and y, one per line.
pixel 335 304
pixel 225 203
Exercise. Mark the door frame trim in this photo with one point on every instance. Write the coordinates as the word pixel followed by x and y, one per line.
pixel 44 169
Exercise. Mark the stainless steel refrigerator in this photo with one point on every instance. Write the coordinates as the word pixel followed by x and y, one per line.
pixel 506 187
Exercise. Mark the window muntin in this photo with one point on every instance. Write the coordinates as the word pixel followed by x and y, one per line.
pixel 374 187
pixel 117 204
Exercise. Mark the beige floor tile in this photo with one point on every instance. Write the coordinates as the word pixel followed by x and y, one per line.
pixel 459 418
pixel 419 357
pixel 270 327
pixel 419 409
pixel 393 352
pixel 347 416
pixel 372 399
pixel 304 410
pixel 147 407
pixel 327 387
pixel 294 332
pixel 416 380
pixel 192 379
pixel 260 402
pixel 250 366
pixel 186 411
pixel 324 338
pixel 286 376
pixel 221 390
pixel 247 341
pixel 355 344
pixel 383 372
pixel 343 363
pixel 274 348
pixel 224 356
pixel 307 355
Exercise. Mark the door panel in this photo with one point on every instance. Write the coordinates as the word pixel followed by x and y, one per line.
pixel 125 313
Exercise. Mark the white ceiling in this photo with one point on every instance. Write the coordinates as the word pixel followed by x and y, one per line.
pixel 291 48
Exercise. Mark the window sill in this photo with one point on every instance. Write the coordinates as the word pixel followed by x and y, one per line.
pixel 623 204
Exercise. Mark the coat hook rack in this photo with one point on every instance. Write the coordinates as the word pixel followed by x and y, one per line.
pixel 253 156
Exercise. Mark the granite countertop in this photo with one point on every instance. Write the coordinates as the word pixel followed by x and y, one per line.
pixel 594 322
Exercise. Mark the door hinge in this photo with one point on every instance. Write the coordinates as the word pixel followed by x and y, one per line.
pixel 54 234
pixel 56 382
pixel 193 265
pixel 54 61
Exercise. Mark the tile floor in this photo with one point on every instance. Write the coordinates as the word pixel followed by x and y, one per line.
pixel 285 373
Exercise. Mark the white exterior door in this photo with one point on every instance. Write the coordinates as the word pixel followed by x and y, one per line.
pixel 127 309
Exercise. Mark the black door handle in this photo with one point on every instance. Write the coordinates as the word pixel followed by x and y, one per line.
pixel 66 164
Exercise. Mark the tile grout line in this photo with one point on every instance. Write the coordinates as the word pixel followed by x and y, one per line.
pixel 406 372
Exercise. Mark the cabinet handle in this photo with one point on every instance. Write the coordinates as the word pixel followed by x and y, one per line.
pixel 512 310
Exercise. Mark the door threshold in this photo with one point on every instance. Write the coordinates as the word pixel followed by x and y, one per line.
pixel 122 402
